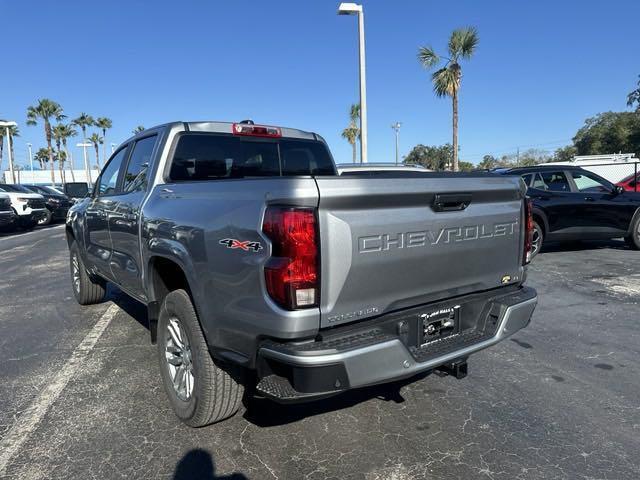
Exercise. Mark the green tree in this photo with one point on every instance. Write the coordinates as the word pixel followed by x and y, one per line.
pixel 352 133
pixel 137 130
pixel 432 157
pixel 634 98
pixel 13 132
pixel 447 79
pixel 42 157
pixel 565 154
pixel 67 131
pixel 83 121
pixel 60 134
pixel 609 132
pixel 489 162
pixel 97 140
pixel 46 110
pixel 466 166
pixel 104 124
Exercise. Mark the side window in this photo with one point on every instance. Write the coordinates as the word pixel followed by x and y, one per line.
pixel 555 181
pixel 527 179
pixel 587 182
pixel 135 177
pixel 109 178
pixel 539 183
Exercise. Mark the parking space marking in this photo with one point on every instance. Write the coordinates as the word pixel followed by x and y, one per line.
pixel 22 429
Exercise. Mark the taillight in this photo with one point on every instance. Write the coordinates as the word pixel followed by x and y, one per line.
pixel 291 274
pixel 251 130
pixel 528 230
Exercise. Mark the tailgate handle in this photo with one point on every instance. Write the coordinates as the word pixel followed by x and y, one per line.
pixel 451 202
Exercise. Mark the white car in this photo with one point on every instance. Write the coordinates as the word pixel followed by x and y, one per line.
pixel 379 168
pixel 28 207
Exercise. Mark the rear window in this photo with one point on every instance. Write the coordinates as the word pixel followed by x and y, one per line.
pixel 215 157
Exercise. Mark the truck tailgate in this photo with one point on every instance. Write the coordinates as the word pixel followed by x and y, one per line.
pixel 396 242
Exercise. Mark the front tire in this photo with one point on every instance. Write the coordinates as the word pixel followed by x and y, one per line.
pixel 199 391
pixel 86 290
pixel 46 220
pixel 633 240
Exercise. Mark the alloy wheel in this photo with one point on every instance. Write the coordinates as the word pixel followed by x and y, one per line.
pixel 179 359
pixel 75 272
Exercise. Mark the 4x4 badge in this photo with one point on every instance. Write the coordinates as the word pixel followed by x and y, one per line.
pixel 245 245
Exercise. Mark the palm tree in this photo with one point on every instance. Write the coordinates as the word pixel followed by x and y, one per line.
pixel 104 124
pixel 137 130
pixel 59 132
pixel 96 140
pixel 42 157
pixel 83 121
pixel 68 131
pixel 446 80
pixel 352 132
pixel 46 110
pixel 13 132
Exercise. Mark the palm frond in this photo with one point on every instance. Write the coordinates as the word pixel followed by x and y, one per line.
pixel 446 81
pixel 463 43
pixel 354 112
pixel 427 57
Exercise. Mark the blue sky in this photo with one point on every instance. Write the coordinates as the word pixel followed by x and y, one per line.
pixel 541 67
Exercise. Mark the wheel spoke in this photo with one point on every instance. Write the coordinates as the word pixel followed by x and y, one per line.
pixel 173 359
pixel 174 331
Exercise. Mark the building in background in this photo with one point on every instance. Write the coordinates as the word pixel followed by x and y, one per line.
pixel 614 167
pixel 43 177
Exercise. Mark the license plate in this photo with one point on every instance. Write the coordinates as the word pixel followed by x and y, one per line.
pixel 439 324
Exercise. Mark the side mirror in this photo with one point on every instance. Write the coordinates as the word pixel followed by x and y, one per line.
pixel 617 189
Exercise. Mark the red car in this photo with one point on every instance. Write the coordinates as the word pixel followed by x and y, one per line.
pixel 631 183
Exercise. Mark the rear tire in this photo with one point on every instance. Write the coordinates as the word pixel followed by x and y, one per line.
pixel 538 238
pixel 633 240
pixel 86 290
pixel 200 391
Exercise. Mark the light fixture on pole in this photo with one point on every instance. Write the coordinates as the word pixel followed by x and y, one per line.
pixel 87 171
pixel 396 127
pixel 113 147
pixel 33 178
pixel 355 9
pixel 7 126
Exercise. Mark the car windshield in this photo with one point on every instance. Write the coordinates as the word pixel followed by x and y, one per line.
pixel 77 190
pixel 15 188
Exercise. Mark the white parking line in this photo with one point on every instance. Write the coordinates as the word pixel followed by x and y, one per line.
pixel 22 429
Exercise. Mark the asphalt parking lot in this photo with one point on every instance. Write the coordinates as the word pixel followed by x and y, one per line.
pixel 80 395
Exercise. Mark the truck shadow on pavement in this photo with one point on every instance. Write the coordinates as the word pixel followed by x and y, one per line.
pixel 198 464
pixel 266 413
pixel 580 245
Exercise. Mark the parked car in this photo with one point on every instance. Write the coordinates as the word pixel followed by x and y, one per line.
pixel 376 169
pixel 76 190
pixel 29 207
pixel 7 215
pixel 57 205
pixel 571 203
pixel 253 256
pixel 631 183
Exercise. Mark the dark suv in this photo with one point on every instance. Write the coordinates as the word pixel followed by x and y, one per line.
pixel 571 203
pixel 57 204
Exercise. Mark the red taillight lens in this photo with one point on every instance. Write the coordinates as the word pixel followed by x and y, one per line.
pixel 292 273
pixel 528 230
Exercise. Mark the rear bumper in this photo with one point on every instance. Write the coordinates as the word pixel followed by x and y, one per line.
pixel 364 358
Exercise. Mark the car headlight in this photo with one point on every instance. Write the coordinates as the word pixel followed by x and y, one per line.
pixel 53 201
pixel 22 199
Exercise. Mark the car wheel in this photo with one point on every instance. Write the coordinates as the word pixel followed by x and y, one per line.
pixel 538 238
pixel 200 391
pixel 46 220
pixel 633 240
pixel 86 290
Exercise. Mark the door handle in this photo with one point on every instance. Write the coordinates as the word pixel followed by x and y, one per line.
pixel 590 199
pixel 451 202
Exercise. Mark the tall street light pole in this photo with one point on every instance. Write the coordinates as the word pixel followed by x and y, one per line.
pixel 355 9
pixel 113 147
pixel 396 127
pixel 87 171
pixel 33 178
pixel 7 126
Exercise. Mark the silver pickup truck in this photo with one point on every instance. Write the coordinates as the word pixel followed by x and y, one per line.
pixel 261 267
